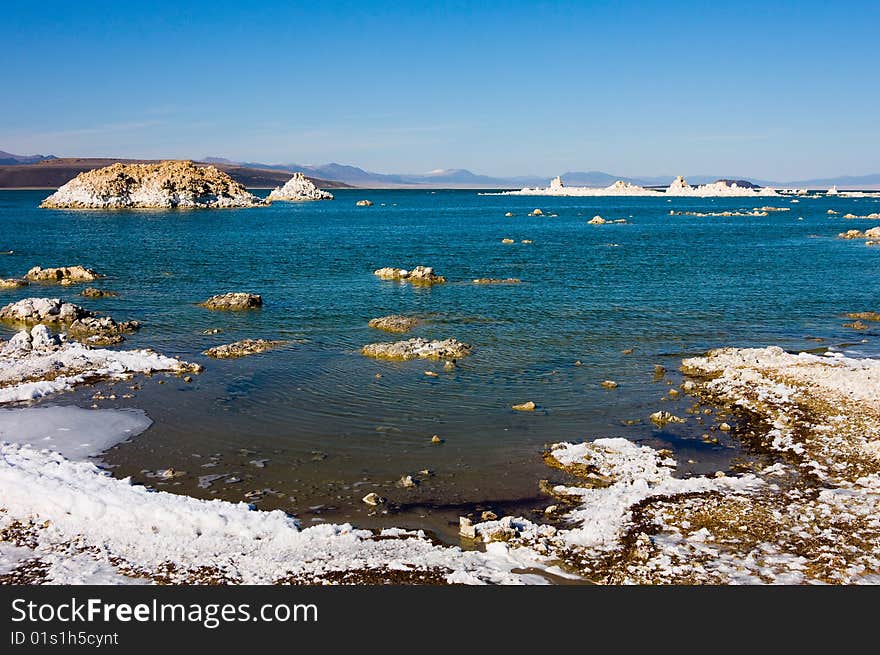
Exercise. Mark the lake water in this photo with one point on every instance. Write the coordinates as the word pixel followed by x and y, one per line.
pixel 314 425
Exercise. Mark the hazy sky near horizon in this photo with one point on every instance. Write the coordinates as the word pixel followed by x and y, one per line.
pixel 772 90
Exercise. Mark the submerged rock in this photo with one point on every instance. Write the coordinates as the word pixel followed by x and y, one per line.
pixel 496 280
pixel 418 275
pixel 299 188
pixel 92 292
pixel 418 349
pixel 872 233
pixel 243 348
pixel 62 274
pixel 236 301
pixel 79 322
pixel 12 283
pixel 161 186
pixel 394 323
pixel 864 316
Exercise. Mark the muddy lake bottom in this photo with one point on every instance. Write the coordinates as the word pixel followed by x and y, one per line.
pixel 313 427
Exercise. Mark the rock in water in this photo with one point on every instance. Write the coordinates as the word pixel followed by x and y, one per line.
pixel 364 203
pixel 525 407
pixel 243 348
pixel 418 275
pixel 62 274
pixel 235 301
pixel 373 499
pixel 159 186
pixel 394 323
pixel 661 418
pixel 497 280
pixel 418 349
pixel 12 283
pixel 92 292
pixel 299 188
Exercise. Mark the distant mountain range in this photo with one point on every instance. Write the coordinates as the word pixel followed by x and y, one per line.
pixel 15 170
pixel 8 159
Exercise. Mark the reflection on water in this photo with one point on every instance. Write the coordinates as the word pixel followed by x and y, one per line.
pixel 332 425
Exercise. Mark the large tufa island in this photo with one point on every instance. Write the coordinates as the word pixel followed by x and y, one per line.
pixel 299 188
pixel 165 185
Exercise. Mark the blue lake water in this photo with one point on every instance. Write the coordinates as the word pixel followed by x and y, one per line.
pixel 331 430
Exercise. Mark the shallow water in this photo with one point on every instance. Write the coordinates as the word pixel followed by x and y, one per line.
pixel 322 430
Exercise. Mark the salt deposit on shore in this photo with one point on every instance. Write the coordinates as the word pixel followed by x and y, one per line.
pixel 74 432
pixel 809 514
pixel 60 510
pixel 34 364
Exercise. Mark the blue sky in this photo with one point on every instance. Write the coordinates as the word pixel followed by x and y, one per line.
pixel 781 90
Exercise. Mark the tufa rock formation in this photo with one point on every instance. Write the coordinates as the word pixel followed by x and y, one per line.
pixel 165 185
pixel 299 188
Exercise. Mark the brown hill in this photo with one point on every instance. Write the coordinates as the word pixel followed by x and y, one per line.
pixel 51 174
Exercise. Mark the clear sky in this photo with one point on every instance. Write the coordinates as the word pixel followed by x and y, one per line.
pixel 773 90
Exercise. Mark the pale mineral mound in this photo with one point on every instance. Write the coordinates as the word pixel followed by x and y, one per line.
pixel 155 186
pixel 299 188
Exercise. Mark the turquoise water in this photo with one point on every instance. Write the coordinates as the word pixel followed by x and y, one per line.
pixel 665 286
